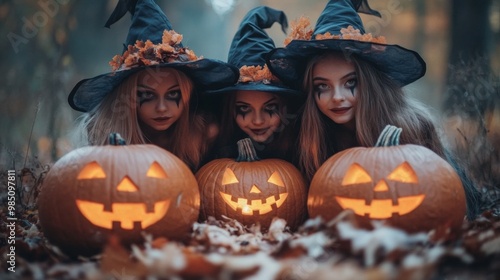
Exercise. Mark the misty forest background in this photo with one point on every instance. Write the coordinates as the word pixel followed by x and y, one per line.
pixel 49 45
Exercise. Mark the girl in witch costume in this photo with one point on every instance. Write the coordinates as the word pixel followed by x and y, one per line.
pixel 150 96
pixel 258 106
pixel 354 89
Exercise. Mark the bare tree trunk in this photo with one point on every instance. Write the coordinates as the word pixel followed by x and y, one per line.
pixel 469 48
pixel 470 29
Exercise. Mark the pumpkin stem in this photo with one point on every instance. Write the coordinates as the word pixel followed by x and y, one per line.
pixel 246 151
pixel 116 139
pixel 389 136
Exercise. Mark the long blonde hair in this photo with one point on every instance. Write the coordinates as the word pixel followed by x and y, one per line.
pixel 380 102
pixel 117 112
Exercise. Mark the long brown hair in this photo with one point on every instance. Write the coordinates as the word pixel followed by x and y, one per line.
pixel 118 113
pixel 380 102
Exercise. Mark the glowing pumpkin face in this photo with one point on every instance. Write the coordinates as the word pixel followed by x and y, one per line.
pixel 255 203
pixel 252 191
pixel 409 186
pixel 94 192
pixel 381 208
pixel 123 214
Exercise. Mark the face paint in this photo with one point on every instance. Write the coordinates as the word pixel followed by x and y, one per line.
pixel 352 84
pixel 272 109
pixel 160 103
pixel 144 96
pixel 334 83
pixel 175 96
pixel 242 110
pixel 257 114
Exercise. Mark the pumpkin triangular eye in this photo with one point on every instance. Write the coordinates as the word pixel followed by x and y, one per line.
pixel 229 177
pixel 91 171
pixel 126 185
pixel 403 173
pixel 276 179
pixel 156 171
pixel 356 175
pixel 254 189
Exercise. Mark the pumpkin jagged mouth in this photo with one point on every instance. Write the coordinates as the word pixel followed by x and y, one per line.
pixel 381 208
pixel 125 213
pixel 254 205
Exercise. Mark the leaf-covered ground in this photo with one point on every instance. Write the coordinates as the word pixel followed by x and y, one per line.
pixel 227 250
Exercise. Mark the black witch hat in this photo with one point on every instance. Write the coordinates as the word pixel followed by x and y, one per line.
pixel 151 42
pixel 339 28
pixel 248 49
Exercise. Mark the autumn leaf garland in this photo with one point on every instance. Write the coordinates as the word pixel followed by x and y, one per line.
pixel 301 30
pixel 147 53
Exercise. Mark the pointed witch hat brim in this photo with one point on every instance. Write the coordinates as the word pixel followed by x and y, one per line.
pixel 289 63
pixel 149 23
pixel 248 52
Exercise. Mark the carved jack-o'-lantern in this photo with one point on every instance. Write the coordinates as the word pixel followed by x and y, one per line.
pixel 93 192
pixel 409 186
pixel 252 191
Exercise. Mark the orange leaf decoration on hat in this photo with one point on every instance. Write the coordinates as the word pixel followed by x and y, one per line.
pixel 327 36
pixel 148 53
pixel 256 74
pixel 350 33
pixel 171 37
pixel 300 30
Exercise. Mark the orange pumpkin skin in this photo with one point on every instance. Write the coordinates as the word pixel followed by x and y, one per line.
pixel 265 189
pixel 94 192
pixel 409 186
